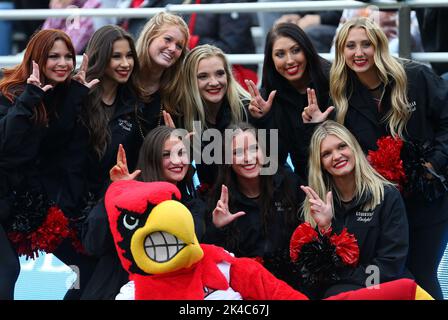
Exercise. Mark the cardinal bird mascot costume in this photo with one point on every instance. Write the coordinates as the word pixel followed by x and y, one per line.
pixel 154 236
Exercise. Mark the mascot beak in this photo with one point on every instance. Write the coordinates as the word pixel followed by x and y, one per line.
pixel 167 242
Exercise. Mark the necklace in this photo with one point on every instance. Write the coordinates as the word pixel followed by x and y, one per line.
pixel 159 122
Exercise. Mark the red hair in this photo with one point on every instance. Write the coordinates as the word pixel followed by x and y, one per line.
pixel 37 49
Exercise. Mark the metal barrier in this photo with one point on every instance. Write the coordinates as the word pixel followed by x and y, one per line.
pixel 404 9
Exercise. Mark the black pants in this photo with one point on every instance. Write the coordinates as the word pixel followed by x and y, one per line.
pixel 9 267
pixel 82 265
pixel 426 248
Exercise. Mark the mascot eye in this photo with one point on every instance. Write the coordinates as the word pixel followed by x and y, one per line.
pixel 130 222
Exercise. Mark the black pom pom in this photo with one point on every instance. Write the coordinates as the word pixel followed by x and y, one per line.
pixel 318 263
pixel 415 154
pixel 28 211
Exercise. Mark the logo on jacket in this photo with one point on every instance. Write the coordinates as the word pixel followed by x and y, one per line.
pixel 125 124
pixel 364 216
pixel 412 106
pixel 279 206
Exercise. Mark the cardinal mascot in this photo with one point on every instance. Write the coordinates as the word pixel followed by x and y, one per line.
pixel 156 243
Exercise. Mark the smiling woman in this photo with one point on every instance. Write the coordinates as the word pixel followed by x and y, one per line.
pixel 378 95
pixel 163 157
pixel 346 192
pixel 291 66
pixel 251 213
pixel 161 48
pixel 211 96
pixel 40 143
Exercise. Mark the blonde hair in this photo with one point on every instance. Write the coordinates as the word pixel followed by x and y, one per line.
pixel 367 180
pixel 169 88
pixel 389 70
pixel 192 102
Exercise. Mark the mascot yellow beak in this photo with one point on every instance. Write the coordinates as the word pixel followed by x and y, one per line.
pixel 167 242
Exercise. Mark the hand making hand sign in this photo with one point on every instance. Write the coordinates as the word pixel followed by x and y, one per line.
pixel 120 170
pixel 312 113
pixel 321 211
pixel 34 78
pixel 221 214
pixel 168 120
pixel 81 75
pixel 258 107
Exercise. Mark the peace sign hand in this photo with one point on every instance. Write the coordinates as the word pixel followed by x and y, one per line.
pixel 81 75
pixel 221 214
pixel 168 120
pixel 34 78
pixel 322 212
pixel 120 170
pixel 258 107
pixel 312 113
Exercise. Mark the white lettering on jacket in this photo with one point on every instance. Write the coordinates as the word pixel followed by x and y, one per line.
pixel 125 124
pixel 364 216
pixel 412 106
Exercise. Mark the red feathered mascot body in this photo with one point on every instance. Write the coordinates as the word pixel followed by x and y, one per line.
pixel 155 240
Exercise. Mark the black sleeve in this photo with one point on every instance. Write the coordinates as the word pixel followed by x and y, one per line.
pixel 96 236
pixel 19 136
pixel 437 102
pixel 392 245
pixel 212 234
pixel 198 209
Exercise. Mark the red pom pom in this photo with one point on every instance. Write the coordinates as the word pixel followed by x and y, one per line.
pixel 346 247
pixel 386 160
pixel 46 238
pixel 303 234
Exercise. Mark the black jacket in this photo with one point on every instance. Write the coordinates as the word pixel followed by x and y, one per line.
pixel 286 116
pixel 47 158
pixel 109 275
pixel 248 235
pixel 382 235
pixel 428 99
pixel 131 121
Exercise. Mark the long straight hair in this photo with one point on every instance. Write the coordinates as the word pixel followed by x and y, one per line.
pixel 169 83
pixel 192 103
pixel 37 49
pixel 367 180
pixel 389 70
pixel 100 50
pixel 227 176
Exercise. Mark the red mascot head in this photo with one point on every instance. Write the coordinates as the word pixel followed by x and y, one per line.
pixel 152 231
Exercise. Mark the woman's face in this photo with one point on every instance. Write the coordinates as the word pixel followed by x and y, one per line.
pixel 59 63
pixel 166 48
pixel 247 158
pixel 336 157
pixel 174 160
pixel 359 51
pixel 121 62
pixel 212 80
pixel 289 59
